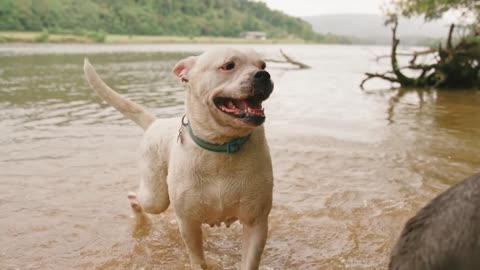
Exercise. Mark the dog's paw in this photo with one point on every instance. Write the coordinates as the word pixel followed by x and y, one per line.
pixel 136 207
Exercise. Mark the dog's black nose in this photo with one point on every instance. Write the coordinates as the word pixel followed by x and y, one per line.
pixel 262 85
pixel 261 75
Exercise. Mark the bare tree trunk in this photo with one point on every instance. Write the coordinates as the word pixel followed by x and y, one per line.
pixel 456 65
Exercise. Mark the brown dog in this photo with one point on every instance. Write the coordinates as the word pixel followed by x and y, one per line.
pixel 445 234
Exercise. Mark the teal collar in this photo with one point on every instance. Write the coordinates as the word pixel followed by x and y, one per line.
pixel 230 147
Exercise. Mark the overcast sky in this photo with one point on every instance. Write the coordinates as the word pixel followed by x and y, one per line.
pixel 315 7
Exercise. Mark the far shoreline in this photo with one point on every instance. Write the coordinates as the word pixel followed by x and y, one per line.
pixel 85 49
pixel 25 37
pixel 42 37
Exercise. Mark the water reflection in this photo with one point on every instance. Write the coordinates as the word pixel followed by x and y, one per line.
pixel 444 136
pixel 37 90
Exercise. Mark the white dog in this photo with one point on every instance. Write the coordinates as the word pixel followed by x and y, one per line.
pixel 217 167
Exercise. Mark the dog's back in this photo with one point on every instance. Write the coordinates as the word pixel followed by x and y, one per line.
pixel 445 234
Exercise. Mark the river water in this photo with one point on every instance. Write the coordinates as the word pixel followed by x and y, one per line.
pixel 350 166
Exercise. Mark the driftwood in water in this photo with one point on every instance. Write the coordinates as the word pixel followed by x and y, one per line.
pixel 289 60
pixel 455 66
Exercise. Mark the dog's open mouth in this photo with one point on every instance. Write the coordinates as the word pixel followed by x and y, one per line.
pixel 249 109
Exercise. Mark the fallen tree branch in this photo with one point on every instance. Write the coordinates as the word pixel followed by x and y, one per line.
pixel 419 67
pixel 454 65
pixel 414 54
pixel 401 78
pixel 288 60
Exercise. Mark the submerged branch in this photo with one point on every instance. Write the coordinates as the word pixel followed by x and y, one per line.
pixel 378 75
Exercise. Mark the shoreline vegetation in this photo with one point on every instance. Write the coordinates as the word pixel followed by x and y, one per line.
pixel 154 21
pixel 150 21
pixel 100 37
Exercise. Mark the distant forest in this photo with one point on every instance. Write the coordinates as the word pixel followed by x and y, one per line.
pixel 154 17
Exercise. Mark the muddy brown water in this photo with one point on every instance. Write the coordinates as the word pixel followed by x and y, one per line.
pixel 350 166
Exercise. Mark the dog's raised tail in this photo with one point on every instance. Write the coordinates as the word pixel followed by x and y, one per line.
pixel 127 107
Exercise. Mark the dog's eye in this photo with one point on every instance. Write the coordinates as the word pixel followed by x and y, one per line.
pixel 263 65
pixel 228 66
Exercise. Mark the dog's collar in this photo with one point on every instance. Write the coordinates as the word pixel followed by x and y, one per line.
pixel 230 147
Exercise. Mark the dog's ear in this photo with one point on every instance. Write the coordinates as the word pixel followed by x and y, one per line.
pixel 182 68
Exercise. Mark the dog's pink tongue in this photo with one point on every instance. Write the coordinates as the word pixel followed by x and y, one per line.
pixel 231 105
pixel 241 104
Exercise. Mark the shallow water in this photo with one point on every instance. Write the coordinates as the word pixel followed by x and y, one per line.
pixel 350 166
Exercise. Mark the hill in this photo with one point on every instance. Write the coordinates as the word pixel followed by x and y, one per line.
pixel 369 28
pixel 152 17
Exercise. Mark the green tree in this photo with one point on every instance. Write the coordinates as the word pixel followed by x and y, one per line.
pixel 151 17
pixel 432 9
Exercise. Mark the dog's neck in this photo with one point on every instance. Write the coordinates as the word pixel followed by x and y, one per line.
pixel 230 147
pixel 203 130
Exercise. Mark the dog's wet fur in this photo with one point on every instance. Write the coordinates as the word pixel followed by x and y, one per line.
pixel 225 89
pixel 445 234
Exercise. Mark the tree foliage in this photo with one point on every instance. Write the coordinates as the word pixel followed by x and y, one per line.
pixel 152 17
pixel 432 9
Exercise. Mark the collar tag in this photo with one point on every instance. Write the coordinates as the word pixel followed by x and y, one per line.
pixel 234 146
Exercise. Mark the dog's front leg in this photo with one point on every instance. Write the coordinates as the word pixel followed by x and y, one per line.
pixel 191 232
pixel 253 242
